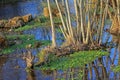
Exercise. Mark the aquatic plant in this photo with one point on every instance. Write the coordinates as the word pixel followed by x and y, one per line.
pixel 31 25
pixel 116 69
pixel 77 59
pixel 45 57
pixel 39 22
pixel 20 42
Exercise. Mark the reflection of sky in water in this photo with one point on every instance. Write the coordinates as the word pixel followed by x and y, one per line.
pixel 10 73
pixel 106 35
pixel 20 9
pixel 44 34
pixel 40 33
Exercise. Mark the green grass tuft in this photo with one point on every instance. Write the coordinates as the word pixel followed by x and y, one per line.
pixel 78 59
pixel 26 40
pixel 31 25
pixel 40 21
pixel 116 69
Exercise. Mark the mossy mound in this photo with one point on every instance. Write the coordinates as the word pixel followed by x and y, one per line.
pixel 77 59
pixel 41 21
pixel 20 42
pixel 38 22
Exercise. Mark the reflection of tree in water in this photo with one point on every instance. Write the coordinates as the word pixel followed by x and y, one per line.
pixel 31 75
pixel 3 59
pixel 45 33
pixel 100 69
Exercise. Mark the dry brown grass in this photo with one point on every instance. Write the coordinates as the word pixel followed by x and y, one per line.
pixel 46 12
pixel 115 27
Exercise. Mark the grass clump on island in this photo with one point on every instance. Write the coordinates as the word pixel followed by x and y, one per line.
pixel 39 21
pixel 30 25
pixel 77 59
pixel 20 42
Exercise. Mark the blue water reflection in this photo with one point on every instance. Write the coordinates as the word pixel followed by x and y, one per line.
pixel 14 68
pixel 44 33
pixel 21 8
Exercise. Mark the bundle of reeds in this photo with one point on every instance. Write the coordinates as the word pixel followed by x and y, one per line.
pixel 115 27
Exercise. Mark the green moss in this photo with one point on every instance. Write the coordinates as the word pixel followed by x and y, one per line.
pixel 31 25
pixel 40 21
pixel 19 36
pixel 78 59
pixel 37 22
pixel 45 57
pixel 26 40
pixel 116 69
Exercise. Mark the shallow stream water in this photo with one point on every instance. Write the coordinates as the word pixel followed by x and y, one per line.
pixel 21 8
pixel 13 67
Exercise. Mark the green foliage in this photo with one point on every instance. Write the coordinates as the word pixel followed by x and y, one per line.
pixel 45 57
pixel 61 79
pixel 116 69
pixel 38 22
pixel 25 40
pixel 43 19
pixel 31 25
pixel 42 56
pixel 77 59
